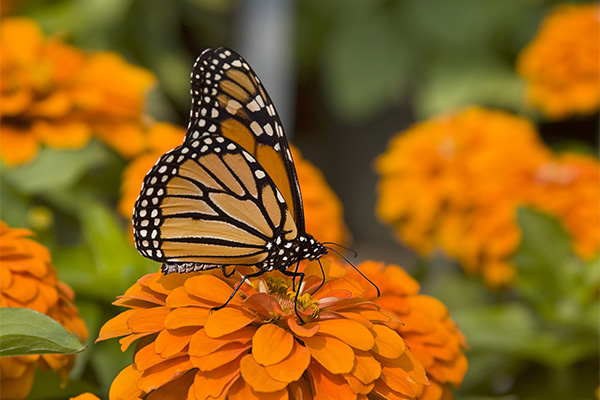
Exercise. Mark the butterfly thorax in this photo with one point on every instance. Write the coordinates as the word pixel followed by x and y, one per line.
pixel 283 253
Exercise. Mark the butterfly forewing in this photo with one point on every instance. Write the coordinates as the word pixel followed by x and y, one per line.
pixel 209 202
pixel 228 99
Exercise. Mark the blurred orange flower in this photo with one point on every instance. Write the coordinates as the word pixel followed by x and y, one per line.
pixel 85 396
pixel 322 208
pixel 456 181
pixel 426 326
pixel 160 138
pixel 57 95
pixel 561 64
pixel 28 279
pixel 254 348
pixel 568 187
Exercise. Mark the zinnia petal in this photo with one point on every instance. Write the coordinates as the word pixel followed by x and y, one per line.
pixel 257 376
pixel 331 353
pixel 388 343
pixel 227 320
pixel 350 332
pixel 292 367
pixel 271 344
pixel 201 344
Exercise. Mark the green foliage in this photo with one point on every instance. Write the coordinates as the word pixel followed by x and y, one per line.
pixel 451 54
pixel 24 332
pixel 548 325
pixel 560 288
pixel 56 170
pixel 362 65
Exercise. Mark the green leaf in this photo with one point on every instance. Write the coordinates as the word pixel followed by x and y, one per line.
pixel 55 169
pixel 544 240
pixel 455 82
pixel 24 332
pixel 549 274
pixel 365 60
pixel 497 329
pixel 118 263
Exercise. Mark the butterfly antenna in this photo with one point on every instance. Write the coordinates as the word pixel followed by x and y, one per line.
pixel 354 253
pixel 357 270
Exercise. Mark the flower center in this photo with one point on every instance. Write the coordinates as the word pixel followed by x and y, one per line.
pixel 283 291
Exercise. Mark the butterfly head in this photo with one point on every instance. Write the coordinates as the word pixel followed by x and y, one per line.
pixel 284 253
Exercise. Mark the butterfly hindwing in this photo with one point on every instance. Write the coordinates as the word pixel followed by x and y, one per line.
pixel 209 202
pixel 228 99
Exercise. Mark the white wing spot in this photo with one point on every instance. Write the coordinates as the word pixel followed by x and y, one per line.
pixel 253 106
pixel 268 129
pixel 280 197
pixel 260 101
pixel 259 174
pixel 248 156
pixel 256 128
pixel 233 106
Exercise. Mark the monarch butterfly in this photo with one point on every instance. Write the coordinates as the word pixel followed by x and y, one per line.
pixel 229 194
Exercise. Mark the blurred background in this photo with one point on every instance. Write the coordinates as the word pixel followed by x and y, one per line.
pixel 345 76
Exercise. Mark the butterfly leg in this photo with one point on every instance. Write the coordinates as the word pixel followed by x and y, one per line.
pixel 295 274
pixel 323 281
pixel 227 275
pixel 254 275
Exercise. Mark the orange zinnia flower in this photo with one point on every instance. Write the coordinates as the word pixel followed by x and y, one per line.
pixel 455 182
pixel 426 326
pixel 28 279
pixel 54 94
pixel 254 348
pixel 322 208
pixel 561 63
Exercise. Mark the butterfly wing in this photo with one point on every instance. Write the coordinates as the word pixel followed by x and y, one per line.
pixel 228 99
pixel 209 202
